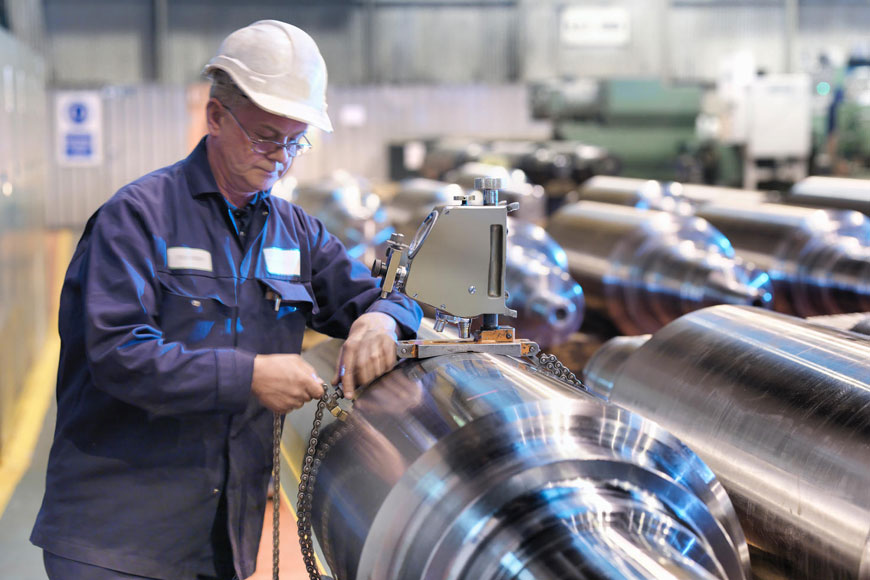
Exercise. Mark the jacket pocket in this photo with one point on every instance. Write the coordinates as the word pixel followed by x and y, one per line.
pixel 287 308
pixel 197 319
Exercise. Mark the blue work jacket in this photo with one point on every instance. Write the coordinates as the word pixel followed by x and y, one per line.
pixel 163 309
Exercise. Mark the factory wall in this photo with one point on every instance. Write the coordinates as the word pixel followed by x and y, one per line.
pixel 143 128
pixel 23 301
pixel 150 126
pixel 447 41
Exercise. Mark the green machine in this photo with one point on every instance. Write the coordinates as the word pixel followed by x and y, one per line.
pixel 647 123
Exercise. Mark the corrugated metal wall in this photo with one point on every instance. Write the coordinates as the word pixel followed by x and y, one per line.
pixel 452 41
pixel 23 303
pixel 148 127
pixel 144 128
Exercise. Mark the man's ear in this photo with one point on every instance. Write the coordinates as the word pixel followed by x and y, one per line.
pixel 213 112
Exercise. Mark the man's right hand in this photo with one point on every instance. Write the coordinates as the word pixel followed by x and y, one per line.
pixel 284 382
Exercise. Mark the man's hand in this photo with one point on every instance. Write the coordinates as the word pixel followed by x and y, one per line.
pixel 284 382
pixel 368 352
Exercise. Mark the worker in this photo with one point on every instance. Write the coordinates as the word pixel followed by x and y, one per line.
pixel 181 320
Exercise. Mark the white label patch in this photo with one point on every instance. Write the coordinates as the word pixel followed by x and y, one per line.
pixel 281 262
pixel 188 259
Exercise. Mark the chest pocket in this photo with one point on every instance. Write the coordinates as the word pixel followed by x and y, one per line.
pixel 191 312
pixel 287 307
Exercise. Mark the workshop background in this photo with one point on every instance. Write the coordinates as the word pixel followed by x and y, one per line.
pixel 627 103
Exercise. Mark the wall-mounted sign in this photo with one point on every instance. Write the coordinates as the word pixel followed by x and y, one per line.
pixel 79 128
pixel 595 27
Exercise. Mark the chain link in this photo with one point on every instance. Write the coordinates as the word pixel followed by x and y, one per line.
pixel 276 490
pixel 313 458
pixel 552 366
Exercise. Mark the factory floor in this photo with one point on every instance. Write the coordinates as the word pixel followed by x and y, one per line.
pixel 23 463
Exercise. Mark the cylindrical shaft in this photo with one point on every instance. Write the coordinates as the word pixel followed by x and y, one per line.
pixel 780 410
pixel 475 466
pixel 642 268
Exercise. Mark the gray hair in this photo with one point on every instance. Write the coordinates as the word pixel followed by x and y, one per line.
pixel 225 90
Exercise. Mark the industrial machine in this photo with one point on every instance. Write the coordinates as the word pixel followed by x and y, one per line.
pixel 477 459
pixel 779 408
pixel 649 125
pixel 818 260
pixel 549 304
pixel 641 269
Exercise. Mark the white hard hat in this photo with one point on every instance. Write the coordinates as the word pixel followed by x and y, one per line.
pixel 279 67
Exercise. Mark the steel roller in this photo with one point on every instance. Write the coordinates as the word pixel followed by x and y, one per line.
pixel 549 303
pixel 831 192
pixel 641 269
pixel 779 408
pixel 633 192
pixel 818 260
pixel 476 466
pixel 349 210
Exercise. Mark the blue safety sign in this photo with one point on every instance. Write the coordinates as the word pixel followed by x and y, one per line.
pixel 79 128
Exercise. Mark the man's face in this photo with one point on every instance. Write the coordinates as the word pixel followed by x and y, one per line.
pixel 244 169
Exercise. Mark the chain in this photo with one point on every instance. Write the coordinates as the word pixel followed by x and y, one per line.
pixel 313 457
pixel 553 367
pixel 276 490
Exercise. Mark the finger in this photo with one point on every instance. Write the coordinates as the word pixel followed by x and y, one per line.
pixel 336 377
pixel 347 371
pixel 314 389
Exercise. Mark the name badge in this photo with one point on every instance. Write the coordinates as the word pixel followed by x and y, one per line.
pixel 281 262
pixel 179 258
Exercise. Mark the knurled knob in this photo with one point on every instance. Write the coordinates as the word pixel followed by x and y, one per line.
pixel 482 183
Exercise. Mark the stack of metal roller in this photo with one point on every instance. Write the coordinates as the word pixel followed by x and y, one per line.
pixel 641 269
pixel 779 408
pixel 818 260
pixel 349 210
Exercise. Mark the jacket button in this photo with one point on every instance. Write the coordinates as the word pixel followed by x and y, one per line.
pixel 196 303
pixel 215 491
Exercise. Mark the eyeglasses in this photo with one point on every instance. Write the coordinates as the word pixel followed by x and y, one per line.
pixel 293 148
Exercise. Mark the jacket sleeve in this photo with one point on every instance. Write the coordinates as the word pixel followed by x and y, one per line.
pixel 126 351
pixel 344 288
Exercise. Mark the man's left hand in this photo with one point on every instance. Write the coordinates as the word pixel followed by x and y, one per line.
pixel 368 352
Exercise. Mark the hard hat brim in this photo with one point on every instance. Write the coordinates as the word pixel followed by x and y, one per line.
pixel 271 104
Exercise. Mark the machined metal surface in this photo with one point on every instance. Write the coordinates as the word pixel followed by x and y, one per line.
pixel 818 260
pixel 477 466
pixel 349 210
pixel 831 192
pixel 414 200
pixel 603 367
pixel 643 268
pixel 779 408
pixel 633 192
pixel 549 303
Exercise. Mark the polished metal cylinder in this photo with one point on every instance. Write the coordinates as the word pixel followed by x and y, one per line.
pixel 349 210
pixel 633 192
pixel 476 466
pixel 699 195
pixel 818 260
pixel 831 192
pixel 643 268
pixel 549 303
pixel 779 408
pixel 604 365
